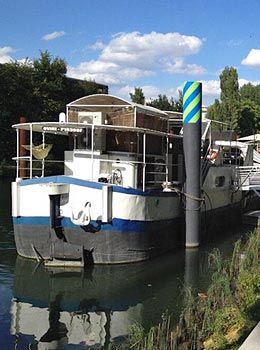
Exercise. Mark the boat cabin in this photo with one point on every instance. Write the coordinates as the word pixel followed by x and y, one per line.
pixel 108 140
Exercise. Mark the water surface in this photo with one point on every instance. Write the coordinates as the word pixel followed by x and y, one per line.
pixel 55 308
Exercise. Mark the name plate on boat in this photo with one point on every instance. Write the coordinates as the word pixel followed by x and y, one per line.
pixel 62 129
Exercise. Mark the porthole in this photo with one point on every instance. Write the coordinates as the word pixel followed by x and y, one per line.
pixel 220 181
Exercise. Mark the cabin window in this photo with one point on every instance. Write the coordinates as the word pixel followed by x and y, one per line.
pixel 220 181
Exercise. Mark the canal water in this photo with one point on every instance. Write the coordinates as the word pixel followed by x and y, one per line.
pixel 54 308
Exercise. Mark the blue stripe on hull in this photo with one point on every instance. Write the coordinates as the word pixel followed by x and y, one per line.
pixel 116 225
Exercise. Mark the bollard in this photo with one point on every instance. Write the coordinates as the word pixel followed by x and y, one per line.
pixel 192 153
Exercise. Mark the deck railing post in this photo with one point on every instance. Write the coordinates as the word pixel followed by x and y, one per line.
pixel 21 152
pixel 144 159
pixel 31 146
pixel 17 153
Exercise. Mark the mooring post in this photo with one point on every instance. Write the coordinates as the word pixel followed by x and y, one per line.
pixel 191 275
pixel 192 153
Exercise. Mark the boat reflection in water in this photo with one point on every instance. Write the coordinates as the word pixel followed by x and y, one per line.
pixel 55 308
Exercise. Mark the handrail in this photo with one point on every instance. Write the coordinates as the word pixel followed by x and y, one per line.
pixel 149 168
pixel 248 176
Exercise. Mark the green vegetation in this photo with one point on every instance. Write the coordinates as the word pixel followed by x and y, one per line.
pixel 218 319
pixel 238 107
pixel 162 102
pixel 138 96
pixel 37 90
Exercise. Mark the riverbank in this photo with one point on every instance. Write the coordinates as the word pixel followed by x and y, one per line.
pixel 216 319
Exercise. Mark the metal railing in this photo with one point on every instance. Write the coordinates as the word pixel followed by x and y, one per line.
pixel 152 173
pixel 247 177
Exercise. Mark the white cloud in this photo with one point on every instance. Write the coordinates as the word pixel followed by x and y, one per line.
pixel 97 46
pixel 106 72
pixel 130 56
pixel 4 51
pixel 211 88
pixel 253 59
pixel 150 92
pixel 210 91
pixel 179 66
pixel 52 36
pixel 140 50
pixel 242 82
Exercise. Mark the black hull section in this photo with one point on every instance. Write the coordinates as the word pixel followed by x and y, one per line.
pixel 102 247
pixel 115 247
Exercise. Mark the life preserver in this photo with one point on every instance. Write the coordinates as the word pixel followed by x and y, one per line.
pixel 116 177
pixel 213 155
pixel 83 217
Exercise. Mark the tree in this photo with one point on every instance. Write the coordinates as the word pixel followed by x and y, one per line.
pixel 214 112
pixel 49 86
pixel 15 101
pixel 165 104
pixel 249 121
pixel 138 96
pixel 230 97
pixel 161 103
pixel 250 92
pixel 37 90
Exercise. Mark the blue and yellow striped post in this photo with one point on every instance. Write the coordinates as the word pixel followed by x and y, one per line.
pixel 192 92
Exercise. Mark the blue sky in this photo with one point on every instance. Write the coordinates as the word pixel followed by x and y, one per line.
pixel 155 45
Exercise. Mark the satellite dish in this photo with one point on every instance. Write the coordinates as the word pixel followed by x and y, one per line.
pixel 62 117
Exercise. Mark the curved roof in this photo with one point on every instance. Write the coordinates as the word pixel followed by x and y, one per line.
pixel 101 100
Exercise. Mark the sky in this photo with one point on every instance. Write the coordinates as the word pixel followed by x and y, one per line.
pixel 154 45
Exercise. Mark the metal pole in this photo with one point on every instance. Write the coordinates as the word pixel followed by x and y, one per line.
pixel 17 152
pixel 31 146
pixel 192 155
pixel 167 160
pixel 144 159
pixel 43 145
pixel 92 151
pixel 22 151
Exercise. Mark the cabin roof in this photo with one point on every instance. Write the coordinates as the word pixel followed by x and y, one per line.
pixel 101 101
pixel 66 128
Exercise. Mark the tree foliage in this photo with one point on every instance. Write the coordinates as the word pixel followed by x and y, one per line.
pixel 37 90
pixel 250 92
pixel 138 96
pixel 230 97
pixel 238 107
pixel 165 104
pixel 249 121
pixel 49 85
pixel 162 102
pixel 214 112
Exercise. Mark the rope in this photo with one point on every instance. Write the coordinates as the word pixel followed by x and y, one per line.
pixel 188 195
pixel 193 197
